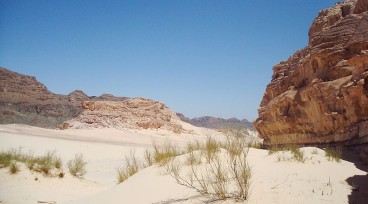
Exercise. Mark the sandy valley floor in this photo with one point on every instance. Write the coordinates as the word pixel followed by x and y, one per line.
pixel 315 181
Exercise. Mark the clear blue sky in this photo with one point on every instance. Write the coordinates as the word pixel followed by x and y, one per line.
pixel 212 57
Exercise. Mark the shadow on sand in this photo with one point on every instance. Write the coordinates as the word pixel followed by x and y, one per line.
pixel 358 183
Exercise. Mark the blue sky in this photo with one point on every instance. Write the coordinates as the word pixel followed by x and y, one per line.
pixel 212 57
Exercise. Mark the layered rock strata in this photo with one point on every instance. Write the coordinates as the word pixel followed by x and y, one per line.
pixel 320 94
pixel 135 113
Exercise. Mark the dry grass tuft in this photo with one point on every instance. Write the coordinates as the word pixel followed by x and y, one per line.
pixel 215 175
pixel 14 168
pixel 334 153
pixel 77 166
pixel 162 154
pixel 41 164
pixel 131 167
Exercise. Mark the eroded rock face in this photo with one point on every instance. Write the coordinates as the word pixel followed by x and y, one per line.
pixel 25 100
pixel 320 94
pixel 135 113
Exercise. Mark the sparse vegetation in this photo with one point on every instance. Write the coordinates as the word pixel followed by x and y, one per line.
pixel 148 157
pixel 210 148
pixel 77 166
pixel 297 153
pixel 315 151
pixel 273 150
pixel 193 159
pixel 193 146
pixel 13 168
pixel 219 171
pixel 334 153
pixel 131 167
pixel 220 174
pixel 41 164
pixel 162 154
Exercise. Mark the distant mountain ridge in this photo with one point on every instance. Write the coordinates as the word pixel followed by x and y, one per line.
pixel 25 100
pixel 216 123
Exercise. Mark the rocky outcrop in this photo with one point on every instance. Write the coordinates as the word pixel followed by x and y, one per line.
pixel 320 94
pixel 25 100
pixel 135 113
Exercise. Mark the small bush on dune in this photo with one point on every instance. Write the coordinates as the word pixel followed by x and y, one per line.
pixel 148 157
pixel 40 164
pixel 5 159
pixel 77 166
pixel 213 178
pixel 131 167
pixel 193 146
pixel 334 153
pixel 161 154
pixel 298 154
pixel 273 150
pixel 210 148
pixel 14 168
pixel 193 159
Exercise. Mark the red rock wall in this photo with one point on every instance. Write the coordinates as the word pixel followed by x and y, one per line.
pixel 320 94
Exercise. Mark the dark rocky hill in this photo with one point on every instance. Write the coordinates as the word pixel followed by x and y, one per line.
pixel 25 100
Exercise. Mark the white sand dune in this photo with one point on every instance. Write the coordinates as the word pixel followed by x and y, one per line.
pixel 315 181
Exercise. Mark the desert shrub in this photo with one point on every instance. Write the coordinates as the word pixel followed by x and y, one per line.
pixel 219 179
pixel 58 163
pixel 241 173
pixel 44 164
pixel 273 149
pixel 212 177
pixel 298 154
pixel 193 158
pixel 5 159
pixel 334 153
pixel 77 166
pixel 131 167
pixel 148 157
pixel 13 168
pixel 210 148
pixel 161 154
pixel 40 164
pixel 193 146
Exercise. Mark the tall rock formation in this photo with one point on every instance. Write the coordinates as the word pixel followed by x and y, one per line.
pixel 25 100
pixel 320 94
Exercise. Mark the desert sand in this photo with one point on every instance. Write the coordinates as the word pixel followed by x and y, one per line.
pixel 317 180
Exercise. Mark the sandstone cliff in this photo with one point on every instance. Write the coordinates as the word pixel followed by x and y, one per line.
pixel 135 113
pixel 25 100
pixel 320 94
